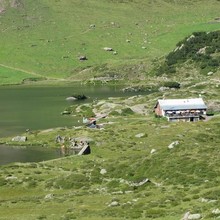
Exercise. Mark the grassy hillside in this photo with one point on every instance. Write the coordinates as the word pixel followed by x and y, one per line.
pixel 131 147
pixel 185 177
pixel 131 173
pixel 200 49
pixel 48 37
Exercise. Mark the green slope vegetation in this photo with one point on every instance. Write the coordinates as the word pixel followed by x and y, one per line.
pixel 48 37
pixel 201 48
pixel 185 177
pixel 43 39
pixel 131 147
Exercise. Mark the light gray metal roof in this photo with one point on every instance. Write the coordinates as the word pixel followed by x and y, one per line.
pixel 181 104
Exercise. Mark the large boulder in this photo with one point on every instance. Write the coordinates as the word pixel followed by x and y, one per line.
pixel 19 138
pixel 108 49
pixel 194 216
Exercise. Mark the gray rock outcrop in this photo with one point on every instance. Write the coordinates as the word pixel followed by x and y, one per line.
pixel 19 138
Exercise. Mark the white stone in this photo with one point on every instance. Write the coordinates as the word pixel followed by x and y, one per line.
pixel 114 203
pixel 186 215
pixel 173 144
pixel 11 178
pixel 103 171
pixel 153 151
pixel 19 138
pixel 194 216
pixel 216 211
pixel 49 196
pixel 139 135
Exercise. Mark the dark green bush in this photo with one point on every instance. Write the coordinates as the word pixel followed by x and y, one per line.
pixel 75 181
pixel 199 47
pixel 114 113
pixel 172 84
pixel 2 181
pixel 127 111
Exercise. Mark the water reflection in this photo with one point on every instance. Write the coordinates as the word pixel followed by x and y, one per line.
pixel 10 154
pixel 40 107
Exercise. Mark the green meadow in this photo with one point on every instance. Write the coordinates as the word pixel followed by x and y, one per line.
pixel 132 172
pixel 47 38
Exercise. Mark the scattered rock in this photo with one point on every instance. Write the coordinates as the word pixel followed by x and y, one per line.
pixel 210 73
pixel 2 10
pixel 153 151
pixel 165 126
pixel 216 211
pixel 59 139
pixel 140 135
pixel 191 37
pixel 114 203
pixel 194 216
pixel 173 144
pixel 140 183
pixel 49 196
pixel 71 98
pixel 103 171
pixel 83 58
pixel 161 89
pixel 11 178
pixel 19 138
pixel 130 89
pixel 108 49
pixel 208 200
pixel 202 50
pixel 15 3
pixel 186 216
pixel 92 26
pixel 140 109
pixel 65 112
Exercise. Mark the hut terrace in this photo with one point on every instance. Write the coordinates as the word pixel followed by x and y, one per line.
pixel 181 109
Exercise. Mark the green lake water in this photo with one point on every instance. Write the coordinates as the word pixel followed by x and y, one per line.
pixel 11 154
pixel 37 108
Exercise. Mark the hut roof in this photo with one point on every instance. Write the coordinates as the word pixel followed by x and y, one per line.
pixel 181 104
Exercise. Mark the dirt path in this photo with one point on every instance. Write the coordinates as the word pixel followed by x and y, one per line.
pixel 21 70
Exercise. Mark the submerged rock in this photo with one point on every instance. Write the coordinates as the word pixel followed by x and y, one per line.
pixel 71 98
pixel 65 112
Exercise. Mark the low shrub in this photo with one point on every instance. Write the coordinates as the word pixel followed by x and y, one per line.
pixel 127 111
pixel 2 181
pixel 172 84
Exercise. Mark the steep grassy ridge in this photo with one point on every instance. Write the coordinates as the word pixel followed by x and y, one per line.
pixel 201 48
pixel 48 37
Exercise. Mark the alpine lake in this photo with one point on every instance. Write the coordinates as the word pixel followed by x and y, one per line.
pixel 39 108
